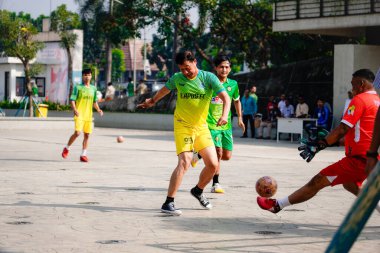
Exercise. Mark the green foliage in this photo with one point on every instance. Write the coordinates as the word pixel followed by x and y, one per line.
pixel 62 21
pixel 16 37
pixel 118 64
pixel 36 69
pixel 57 106
pixel 7 104
pixel 119 24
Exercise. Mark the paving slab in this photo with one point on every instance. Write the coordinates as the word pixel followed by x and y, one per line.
pixel 111 204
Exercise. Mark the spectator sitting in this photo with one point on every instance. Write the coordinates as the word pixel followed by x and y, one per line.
pixel 322 114
pixel 288 110
pixel 110 92
pixel 302 109
pixel 269 121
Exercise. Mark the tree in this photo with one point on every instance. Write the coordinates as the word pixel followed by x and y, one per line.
pixel 115 25
pixel 118 64
pixel 62 22
pixel 16 40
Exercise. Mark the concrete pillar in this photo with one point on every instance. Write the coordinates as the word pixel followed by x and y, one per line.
pixel 348 59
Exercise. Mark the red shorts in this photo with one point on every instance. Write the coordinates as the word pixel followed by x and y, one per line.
pixel 349 169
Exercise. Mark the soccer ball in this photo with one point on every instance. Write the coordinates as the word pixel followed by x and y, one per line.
pixel 266 186
pixel 120 139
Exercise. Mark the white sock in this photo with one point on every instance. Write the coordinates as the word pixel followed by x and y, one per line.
pixel 84 152
pixel 284 202
pixel 67 147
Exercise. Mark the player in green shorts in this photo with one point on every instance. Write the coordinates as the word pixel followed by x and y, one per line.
pixel 222 135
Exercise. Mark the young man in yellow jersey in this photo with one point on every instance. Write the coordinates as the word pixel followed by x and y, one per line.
pixel 194 91
pixel 82 99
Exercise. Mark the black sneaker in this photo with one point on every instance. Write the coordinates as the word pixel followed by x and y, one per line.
pixel 202 200
pixel 170 209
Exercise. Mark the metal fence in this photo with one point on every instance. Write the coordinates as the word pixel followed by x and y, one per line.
pixel 303 9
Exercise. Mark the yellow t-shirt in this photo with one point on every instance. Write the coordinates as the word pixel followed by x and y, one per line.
pixel 84 98
pixel 194 96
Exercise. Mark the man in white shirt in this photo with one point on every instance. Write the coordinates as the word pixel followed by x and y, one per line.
pixel 302 109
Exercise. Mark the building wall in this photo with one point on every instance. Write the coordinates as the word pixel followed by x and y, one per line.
pixel 348 59
pixel 55 68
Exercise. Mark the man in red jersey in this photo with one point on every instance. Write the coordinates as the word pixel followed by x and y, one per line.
pixel 357 127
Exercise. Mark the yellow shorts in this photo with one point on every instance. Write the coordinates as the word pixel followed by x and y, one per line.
pixel 83 125
pixel 188 139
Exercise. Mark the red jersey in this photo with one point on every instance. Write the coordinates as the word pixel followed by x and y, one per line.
pixel 360 117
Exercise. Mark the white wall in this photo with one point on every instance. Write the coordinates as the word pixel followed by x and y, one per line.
pixel 348 59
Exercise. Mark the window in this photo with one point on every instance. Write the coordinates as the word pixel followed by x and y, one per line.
pixel 20 86
pixel 40 82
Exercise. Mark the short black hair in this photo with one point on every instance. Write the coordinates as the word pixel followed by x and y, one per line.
pixel 365 74
pixel 109 84
pixel 181 57
pixel 221 58
pixel 86 71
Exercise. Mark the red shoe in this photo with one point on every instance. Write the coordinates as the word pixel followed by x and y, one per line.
pixel 65 153
pixel 84 159
pixel 270 205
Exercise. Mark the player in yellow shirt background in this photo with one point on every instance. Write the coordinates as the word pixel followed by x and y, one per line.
pixel 82 99
pixel 194 91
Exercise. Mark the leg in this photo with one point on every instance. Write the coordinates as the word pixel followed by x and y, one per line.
pixel 260 130
pixel 252 125
pixel 184 160
pixel 219 154
pixel 72 138
pixel 210 159
pixel 85 141
pixel 309 190
pixel 268 130
pixel 245 121
pixel 303 194
pixel 352 187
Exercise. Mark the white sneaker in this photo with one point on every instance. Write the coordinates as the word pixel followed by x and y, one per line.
pixel 195 159
pixel 217 188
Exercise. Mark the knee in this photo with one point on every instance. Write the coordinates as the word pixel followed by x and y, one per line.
pixel 183 165
pixel 76 133
pixel 226 156
pixel 318 182
pixel 86 135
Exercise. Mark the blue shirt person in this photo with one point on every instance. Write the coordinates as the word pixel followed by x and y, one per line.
pixel 249 109
pixel 322 113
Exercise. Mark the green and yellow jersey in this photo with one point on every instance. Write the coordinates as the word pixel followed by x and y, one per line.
pixel 216 106
pixel 84 98
pixel 193 96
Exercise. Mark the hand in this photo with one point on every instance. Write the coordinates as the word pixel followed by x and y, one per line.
pixel 311 148
pixel 222 121
pixel 76 113
pixel 241 124
pixel 100 113
pixel 149 102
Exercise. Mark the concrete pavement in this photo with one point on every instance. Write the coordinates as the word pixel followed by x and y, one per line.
pixel 112 204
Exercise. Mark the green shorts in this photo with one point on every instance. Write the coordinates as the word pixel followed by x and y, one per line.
pixel 222 138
